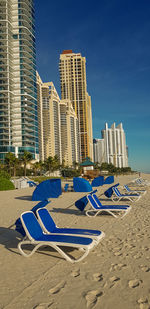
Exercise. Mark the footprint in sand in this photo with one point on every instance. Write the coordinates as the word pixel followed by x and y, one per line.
pixel 142 300
pixel 117 266
pixel 43 306
pixel 75 272
pixel 57 288
pixel 144 306
pixel 114 279
pixel 118 253
pixel 134 283
pixel 91 298
pixel 97 277
pixel 145 268
pixel 137 256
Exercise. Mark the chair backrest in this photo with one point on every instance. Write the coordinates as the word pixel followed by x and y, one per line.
pixel 116 191
pixel 97 200
pixel 92 201
pixel 127 188
pixel 66 187
pixel 31 225
pixel 46 219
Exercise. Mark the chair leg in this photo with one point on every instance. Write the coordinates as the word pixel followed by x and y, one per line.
pixel 66 256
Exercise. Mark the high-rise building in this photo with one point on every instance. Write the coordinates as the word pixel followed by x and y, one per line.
pixel 49 120
pixel 72 69
pixel 98 150
pixel 18 93
pixel 69 133
pixel 115 145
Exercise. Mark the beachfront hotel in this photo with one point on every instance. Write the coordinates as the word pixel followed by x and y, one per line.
pixel 49 120
pixel 69 133
pixel 98 150
pixel 18 93
pixel 58 125
pixel 72 67
pixel 112 147
pixel 115 145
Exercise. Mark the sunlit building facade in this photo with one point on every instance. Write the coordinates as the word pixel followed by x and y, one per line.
pixel 115 145
pixel 72 69
pixel 69 133
pixel 49 120
pixel 18 92
pixel 98 150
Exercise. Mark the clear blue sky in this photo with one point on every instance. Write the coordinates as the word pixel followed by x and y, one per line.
pixel 114 36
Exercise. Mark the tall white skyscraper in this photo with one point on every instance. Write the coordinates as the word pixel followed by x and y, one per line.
pixel 18 93
pixel 98 150
pixel 115 145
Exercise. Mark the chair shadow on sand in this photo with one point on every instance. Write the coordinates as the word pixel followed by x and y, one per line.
pixel 68 211
pixel 9 238
pixel 24 198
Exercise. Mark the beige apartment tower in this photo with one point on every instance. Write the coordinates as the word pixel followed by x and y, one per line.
pixel 69 133
pixel 72 69
pixel 49 120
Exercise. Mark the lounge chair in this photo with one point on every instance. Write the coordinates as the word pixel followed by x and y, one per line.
pixel 35 236
pixel 117 196
pixel 66 187
pixel 134 191
pixel 97 207
pixel 48 225
pixel 141 182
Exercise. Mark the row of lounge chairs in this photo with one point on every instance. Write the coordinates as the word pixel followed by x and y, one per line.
pixel 41 230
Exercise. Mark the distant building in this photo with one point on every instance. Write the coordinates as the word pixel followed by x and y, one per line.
pixel 115 145
pixel 98 150
pixel 69 133
pixel 49 120
pixel 72 69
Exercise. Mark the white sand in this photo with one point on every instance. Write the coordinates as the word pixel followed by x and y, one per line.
pixel 116 274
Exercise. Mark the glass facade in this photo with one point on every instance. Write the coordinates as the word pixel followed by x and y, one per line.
pixel 18 89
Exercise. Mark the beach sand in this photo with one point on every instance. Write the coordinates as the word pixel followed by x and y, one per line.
pixel 115 274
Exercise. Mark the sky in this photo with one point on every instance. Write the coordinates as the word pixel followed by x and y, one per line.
pixel 114 36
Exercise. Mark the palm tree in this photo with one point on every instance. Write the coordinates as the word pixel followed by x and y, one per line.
pixel 76 165
pixel 15 164
pixel 9 161
pixel 52 163
pixel 49 164
pixel 35 167
pixel 26 158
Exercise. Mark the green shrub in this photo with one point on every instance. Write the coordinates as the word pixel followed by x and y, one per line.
pixel 42 178
pixel 4 174
pixel 68 172
pixel 6 184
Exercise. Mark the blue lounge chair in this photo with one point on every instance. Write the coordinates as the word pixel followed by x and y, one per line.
pixel 36 236
pixel 66 187
pixel 48 225
pixel 142 182
pixel 117 196
pixel 97 207
pixel 134 191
